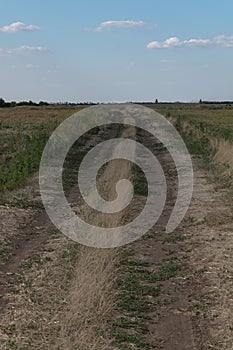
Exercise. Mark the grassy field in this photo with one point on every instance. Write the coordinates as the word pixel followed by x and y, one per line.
pixel 24 132
pixel 214 120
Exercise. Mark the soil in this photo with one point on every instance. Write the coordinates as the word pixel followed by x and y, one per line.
pixel 27 240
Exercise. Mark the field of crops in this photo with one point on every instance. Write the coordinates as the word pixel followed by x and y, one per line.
pixel 24 132
pixel 215 120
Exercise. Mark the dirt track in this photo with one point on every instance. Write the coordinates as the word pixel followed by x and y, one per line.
pixel 197 314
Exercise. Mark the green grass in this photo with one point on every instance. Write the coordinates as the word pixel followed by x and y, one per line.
pixel 168 271
pixel 135 285
pixel 24 132
pixel 4 255
pixel 21 202
pixel 139 182
pixel 174 238
pixel 34 260
pixel 127 262
pixel 71 254
pixel 139 291
pixel 21 151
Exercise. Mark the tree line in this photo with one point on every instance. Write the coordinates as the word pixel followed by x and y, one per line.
pixel 3 103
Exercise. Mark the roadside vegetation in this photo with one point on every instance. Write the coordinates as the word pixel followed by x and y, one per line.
pixel 208 133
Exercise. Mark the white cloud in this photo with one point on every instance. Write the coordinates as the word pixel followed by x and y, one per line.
pixel 174 42
pixel 225 41
pixel 18 27
pixel 25 48
pixel 118 25
pixel 22 49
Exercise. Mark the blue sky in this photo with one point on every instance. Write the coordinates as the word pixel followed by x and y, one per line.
pixel 115 51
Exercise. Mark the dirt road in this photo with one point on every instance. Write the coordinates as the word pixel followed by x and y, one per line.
pixel 191 270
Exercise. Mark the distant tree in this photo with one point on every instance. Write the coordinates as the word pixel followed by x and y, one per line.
pixel 27 103
pixel 200 101
pixel 2 102
pixel 43 103
pixel 156 101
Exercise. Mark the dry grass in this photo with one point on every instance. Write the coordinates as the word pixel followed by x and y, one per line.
pixel 89 303
pixel 224 151
pixel 91 296
pixel 34 115
pixel 221 149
